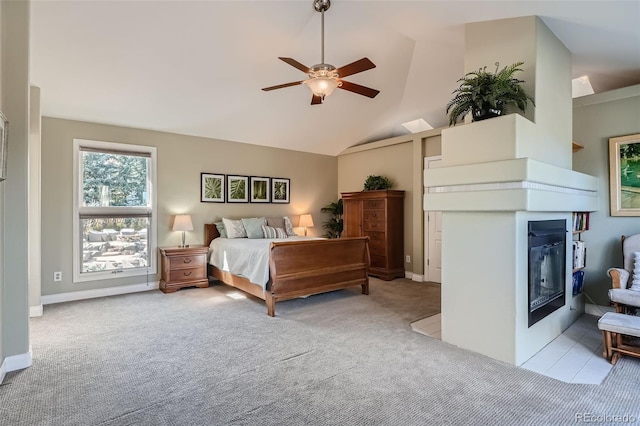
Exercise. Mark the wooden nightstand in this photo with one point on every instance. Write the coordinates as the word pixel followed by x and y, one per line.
pixel 183 267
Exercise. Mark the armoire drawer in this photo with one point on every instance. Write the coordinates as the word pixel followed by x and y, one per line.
pixel 374 226
pixel 373 204
pixel 378 247
pixel 378 261
pixel 373 215
pixel 376 236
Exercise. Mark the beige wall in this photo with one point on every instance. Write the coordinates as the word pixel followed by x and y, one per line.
pixel 597 118
pixel 15 105
pixel 181 159
pixel 401 160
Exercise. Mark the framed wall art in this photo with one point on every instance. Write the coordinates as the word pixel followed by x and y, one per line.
pixel 280 190
pixel 4 143
pixel 212 188
pixel 624 175
pixel 259 189
pixel 237 189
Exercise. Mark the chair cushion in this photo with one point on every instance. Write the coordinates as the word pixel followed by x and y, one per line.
pixel 625 296
pixel 630 245
pixel 620 323
pixel 635 280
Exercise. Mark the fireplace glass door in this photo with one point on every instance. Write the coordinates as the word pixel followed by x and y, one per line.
pixel 547 268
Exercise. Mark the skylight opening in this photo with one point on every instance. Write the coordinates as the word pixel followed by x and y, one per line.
pixel 581 86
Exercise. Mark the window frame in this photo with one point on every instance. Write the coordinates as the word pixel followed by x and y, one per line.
pixel 78 210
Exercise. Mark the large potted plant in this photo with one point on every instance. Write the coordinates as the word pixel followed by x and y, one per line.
pixel 485 94
pixel 335 224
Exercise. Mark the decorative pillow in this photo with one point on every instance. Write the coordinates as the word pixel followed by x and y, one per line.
pixel 288 227
pixel 221 230
pixel 271 232
pixel 635 283
pixel 234 228
pixel 253 226
pixel 275 222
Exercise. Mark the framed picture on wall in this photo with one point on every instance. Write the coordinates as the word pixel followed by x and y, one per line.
pixel 4 142
pixel 237 189
pixel 211 188
pixel 280 190
pixel 624 175
pixel 259 192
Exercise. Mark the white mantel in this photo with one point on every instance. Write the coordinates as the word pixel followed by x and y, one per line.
pixel 496 176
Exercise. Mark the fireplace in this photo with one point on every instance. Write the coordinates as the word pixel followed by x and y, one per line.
pixel 547 267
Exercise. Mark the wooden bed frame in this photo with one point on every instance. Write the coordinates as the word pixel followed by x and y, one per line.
pixel 302 268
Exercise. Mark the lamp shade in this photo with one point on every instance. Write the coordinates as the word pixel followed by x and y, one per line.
pixel 306 221
pixel 182 222
pixel 322 86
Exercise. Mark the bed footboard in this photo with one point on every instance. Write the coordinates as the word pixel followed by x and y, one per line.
pixel 302 268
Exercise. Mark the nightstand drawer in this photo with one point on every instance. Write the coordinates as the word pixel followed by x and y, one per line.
pixel 187 274
pixel 191 261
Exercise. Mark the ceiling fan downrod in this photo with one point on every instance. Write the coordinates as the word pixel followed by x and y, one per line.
pixel 321 6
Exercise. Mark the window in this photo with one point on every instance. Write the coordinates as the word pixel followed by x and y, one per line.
pixel 114 210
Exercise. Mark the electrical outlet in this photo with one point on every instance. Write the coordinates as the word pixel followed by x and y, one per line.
pixel 57 276
pixel 408 258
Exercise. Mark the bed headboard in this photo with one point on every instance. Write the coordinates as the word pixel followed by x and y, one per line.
pixel 210 233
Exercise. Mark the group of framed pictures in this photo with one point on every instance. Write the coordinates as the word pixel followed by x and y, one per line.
pixel 219 188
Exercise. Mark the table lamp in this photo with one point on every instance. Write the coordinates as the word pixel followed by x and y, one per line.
pixel 182 222
pixel 306 221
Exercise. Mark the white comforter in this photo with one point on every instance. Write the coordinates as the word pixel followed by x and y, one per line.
pixel 245 257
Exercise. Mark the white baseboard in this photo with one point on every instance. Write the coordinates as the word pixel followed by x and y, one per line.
pixel 35 311
pixel 16 362
pixel 3 371
pixel 597 310
pixel 98 292
pixel 413 277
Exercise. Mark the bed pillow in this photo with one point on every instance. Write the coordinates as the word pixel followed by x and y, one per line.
pixel 288 227
pixel 253 226
pixel 221 230
pixel 275 222
pixel 234 228
pixel 635 283
pixel 271 232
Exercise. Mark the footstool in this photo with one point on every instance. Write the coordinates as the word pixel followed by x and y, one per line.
pixel 614 327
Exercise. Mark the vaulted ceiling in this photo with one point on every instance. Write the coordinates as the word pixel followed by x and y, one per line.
pixel 197 68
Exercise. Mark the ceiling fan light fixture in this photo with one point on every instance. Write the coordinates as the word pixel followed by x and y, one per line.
pixel 322 86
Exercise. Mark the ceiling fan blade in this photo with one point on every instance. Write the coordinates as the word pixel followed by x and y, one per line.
pixel 281 86
pixel 360 90
pixel 316 100
pixel 355 67
pixel 305 69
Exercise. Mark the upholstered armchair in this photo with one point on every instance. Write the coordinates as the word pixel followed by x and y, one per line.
pixel 625 282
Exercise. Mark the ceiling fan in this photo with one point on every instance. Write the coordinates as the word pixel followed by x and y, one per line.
pixel 324 78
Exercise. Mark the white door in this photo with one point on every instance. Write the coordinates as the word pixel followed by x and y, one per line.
pixel 433 234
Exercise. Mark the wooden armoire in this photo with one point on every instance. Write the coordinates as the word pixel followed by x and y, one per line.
pixel 378 215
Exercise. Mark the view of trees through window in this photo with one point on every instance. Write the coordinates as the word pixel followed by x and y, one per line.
pixel 114 229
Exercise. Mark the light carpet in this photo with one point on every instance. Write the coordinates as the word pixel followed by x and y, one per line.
pixel 199 357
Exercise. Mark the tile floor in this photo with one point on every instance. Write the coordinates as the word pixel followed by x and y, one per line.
pixel 573 357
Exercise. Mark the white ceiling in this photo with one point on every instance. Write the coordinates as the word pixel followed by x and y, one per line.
pixel 197 68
